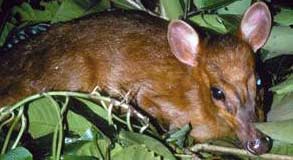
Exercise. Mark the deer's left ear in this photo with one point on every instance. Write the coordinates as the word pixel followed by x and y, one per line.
pixel 256 25
pixel 184 42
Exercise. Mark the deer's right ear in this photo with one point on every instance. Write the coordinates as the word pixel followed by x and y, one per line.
pixel 184 42
pixel 256 25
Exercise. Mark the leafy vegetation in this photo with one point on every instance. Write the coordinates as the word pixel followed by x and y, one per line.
pixel 70 125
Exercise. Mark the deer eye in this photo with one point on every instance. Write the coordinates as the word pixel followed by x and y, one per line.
pixel 258 82
pixel 217 93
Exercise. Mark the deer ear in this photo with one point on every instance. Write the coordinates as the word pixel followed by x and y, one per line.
pixel 184 42
pixel 256 25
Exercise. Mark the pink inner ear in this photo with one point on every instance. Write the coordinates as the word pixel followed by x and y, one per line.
pixel 255 25
pixel 252 22
pixel 183 41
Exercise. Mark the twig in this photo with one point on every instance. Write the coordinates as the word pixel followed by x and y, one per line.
pixel 21 131
pixel 214 148
pixel 124 104
pixel 14 123
pixel 12 115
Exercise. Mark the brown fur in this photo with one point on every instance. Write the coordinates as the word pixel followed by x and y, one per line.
pixel 130 52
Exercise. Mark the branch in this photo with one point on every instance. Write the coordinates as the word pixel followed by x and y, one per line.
pixel 214 148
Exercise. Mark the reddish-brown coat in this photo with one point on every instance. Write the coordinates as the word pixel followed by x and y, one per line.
pixel 130 52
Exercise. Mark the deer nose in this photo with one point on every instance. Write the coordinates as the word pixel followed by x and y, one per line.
pixel 259 145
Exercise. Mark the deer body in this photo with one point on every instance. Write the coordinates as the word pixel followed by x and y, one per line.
pixel 173 75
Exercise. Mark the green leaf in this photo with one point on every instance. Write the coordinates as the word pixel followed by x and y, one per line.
pixel 237 7
pixel 282 148
pixel 284 87
pixel 25 11
pixel 284 17
pixel 279 130
pixel 74 157
pixel 231 22
pixel 43 118
pixel 279 42
pixel 19 153
pixel 92 148
pixel 89 135
pixel 210 21
pixel 28 14
pixel 77 123
pixel 171 9
pixel 281 108
pixel 68 10
pixel 179 135
pixel 91 144
pixel 211 4
pixel 51 8
pixel 48 13
pixel 102 5
pixel 95 108
pixel 137 152
pixel 97 115
pixel 150 143
pixel 55 12
pixel 5 31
